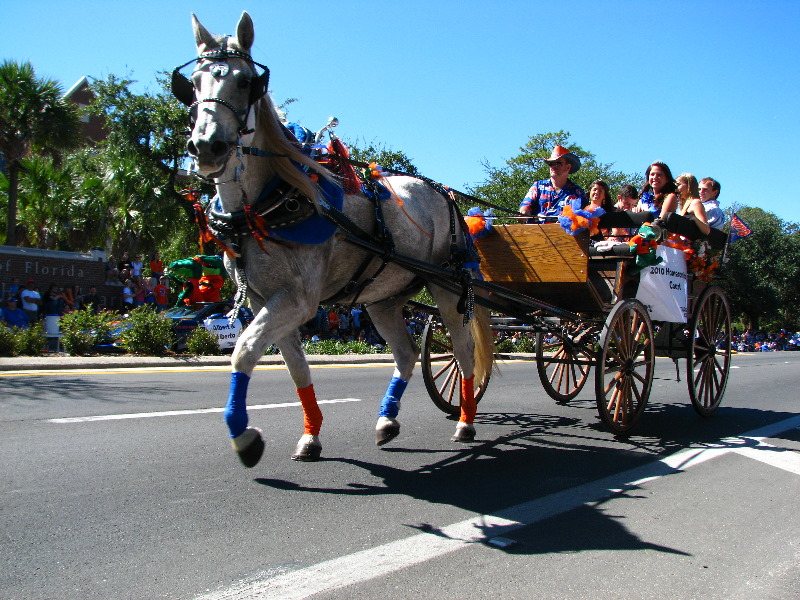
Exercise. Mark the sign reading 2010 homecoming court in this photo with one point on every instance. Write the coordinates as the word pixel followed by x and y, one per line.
pixel 663 287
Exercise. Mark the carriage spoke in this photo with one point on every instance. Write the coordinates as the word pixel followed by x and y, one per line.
pixel 455 388
pixel 445 368
pixel 451 373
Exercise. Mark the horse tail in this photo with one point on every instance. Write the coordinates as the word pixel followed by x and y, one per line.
pixel 484 343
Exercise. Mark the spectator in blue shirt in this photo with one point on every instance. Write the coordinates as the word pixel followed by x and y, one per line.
pixel 13 316
pixel 547 197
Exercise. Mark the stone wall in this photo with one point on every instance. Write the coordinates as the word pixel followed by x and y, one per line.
pixel 46 267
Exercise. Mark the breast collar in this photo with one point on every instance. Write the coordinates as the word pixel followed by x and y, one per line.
pixel 279 205
pixel 281 210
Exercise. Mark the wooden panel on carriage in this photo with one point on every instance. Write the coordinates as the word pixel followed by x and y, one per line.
pixel 513 254
pixel 540 261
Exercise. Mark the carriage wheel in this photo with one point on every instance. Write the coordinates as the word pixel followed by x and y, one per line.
pixel 624 372
pixel 443 380
pixel 708 365
pixel 562 365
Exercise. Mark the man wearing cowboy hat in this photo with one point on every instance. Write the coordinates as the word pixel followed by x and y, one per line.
pixel 547 197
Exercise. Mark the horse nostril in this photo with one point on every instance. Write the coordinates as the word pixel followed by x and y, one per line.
pixel 219 148
pixel 191 148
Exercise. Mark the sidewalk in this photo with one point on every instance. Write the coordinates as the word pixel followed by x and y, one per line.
pixel 62 361
pixel 56 362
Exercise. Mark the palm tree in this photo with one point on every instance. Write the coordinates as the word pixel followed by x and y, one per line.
pixel 44 198
pixel 33 117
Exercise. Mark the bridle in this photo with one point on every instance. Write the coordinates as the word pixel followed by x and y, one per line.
pixel 184 90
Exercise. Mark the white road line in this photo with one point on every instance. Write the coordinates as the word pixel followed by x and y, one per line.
pixel 788 460
pixel 177 413
pixel 394 556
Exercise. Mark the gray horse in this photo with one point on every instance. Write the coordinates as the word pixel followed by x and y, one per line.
pixel 237 140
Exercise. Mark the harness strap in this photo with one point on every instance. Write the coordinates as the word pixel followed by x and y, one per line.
pixel 241 289
pixel 382 237
pixel 253 151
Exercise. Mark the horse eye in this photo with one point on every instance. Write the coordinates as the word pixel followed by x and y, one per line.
pixel 243 82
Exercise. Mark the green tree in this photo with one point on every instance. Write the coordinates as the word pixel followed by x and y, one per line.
pixel 33 118
pixel 140 167
pixel 762 275
pixel 45 193
pixel 506 186
pixel 389 159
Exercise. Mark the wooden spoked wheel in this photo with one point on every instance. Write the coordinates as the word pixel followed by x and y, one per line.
pixel 709 358
pixel 440 369
pixel 563 365
pixel 624 373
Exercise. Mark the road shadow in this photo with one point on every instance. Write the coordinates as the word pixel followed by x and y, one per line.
pixel 17 391
pixel 541 456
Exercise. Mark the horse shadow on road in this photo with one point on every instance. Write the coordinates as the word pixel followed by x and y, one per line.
pixel 542 456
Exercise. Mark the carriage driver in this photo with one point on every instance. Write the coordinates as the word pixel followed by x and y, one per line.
pixel 547 197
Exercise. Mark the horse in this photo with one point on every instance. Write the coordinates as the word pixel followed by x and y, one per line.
pixel 237 140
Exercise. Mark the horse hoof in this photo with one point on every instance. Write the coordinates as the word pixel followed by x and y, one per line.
pixel 465 432
pixel 249 446
pixel 386 430
pixel 308 448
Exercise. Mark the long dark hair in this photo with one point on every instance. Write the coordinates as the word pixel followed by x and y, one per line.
pixel 608 203
pixel 669 187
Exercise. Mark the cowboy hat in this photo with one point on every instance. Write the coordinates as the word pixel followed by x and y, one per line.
pixel 561 152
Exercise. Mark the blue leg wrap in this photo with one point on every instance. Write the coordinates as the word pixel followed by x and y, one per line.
pixel 390 405
pixel 236 410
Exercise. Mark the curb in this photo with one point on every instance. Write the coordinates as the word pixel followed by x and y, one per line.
pixel 65 362
pixel 62 362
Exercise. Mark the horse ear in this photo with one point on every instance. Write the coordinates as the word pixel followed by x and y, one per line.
pixel 244 32
pixel 201 34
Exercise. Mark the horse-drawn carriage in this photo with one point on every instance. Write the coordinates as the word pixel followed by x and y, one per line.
pixel 296 235
pixel 580 304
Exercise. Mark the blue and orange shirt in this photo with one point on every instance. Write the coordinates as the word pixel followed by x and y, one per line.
pixel 545 202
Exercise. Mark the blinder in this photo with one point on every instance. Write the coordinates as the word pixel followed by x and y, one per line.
pixel 184 91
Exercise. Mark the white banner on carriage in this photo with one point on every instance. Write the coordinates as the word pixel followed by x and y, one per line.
pixel 663 287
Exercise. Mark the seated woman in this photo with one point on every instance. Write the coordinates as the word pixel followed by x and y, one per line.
pixel 600 197
pixel 690 204
pixel 658 194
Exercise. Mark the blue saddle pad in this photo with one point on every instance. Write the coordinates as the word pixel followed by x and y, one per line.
pixel 318 228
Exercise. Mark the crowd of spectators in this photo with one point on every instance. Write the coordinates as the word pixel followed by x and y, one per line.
pixel 24 305
pixel 352 324
pixel 762 341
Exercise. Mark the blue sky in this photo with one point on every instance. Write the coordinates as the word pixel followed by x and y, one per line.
pixel 709 87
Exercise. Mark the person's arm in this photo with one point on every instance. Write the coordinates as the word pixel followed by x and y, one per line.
pixel 716 218
pixel 697 213
pixel 669 205
pixel 530 203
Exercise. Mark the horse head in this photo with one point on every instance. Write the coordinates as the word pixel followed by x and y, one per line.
pixel 221 94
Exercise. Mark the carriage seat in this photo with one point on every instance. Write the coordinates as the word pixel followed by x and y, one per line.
pixel 687 228
pixel 675 223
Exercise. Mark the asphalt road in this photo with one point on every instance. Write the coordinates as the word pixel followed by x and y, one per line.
pixel 121 484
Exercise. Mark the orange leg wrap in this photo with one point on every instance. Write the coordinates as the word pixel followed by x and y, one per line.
pixel 468 405
pixel 312 415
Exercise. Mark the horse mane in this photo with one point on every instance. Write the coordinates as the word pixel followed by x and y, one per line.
pixel 285 166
